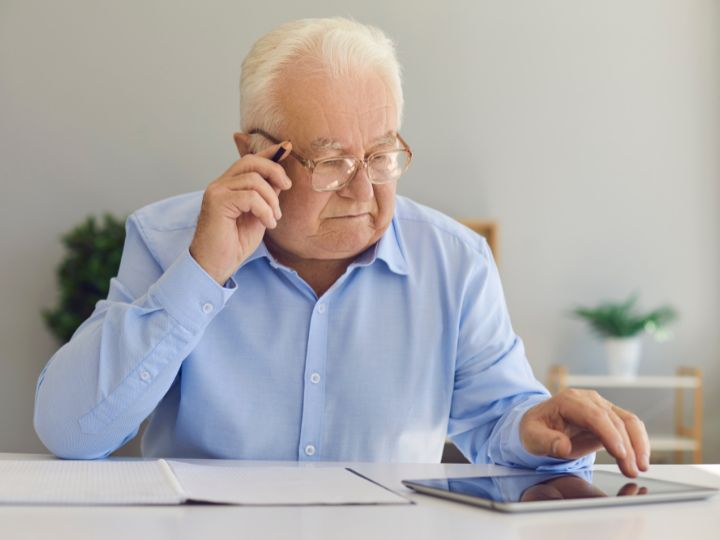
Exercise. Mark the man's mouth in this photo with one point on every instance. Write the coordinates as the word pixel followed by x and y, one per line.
pixel 350 216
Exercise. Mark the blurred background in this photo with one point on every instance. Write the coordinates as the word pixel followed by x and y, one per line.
pixel 588 131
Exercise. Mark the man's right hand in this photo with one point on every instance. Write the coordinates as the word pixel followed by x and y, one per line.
pixel 236 209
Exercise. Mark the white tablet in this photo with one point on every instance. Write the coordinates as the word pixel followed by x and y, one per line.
pixel 554 491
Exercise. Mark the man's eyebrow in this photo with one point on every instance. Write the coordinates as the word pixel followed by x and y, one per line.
pixel 325 143
pixel 389 138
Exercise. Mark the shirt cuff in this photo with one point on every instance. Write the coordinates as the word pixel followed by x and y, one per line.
pixel 188 293
pixel 523 458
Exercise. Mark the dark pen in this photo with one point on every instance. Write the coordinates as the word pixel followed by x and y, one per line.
pixel 278 154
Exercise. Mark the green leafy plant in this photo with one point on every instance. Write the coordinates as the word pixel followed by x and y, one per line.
pixel 622 320
pixel 93 256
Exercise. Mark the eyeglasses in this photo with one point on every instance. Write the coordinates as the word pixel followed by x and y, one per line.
pixel 334 173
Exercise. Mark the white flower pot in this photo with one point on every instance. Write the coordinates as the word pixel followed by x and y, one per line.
pixel 623 356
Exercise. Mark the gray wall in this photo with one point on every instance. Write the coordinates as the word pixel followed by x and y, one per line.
pixel 588 129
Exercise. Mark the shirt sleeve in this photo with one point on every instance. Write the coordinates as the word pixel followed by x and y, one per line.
pixel 96 390
pixel 494 383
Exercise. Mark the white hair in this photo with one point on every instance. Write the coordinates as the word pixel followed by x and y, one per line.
pixel 333 47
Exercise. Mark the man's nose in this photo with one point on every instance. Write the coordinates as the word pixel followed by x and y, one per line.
pixel 359 187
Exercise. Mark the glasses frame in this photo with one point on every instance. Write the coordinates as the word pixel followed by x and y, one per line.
pixel 310 164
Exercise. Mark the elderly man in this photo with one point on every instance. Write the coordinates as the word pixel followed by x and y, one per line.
pixel 299 309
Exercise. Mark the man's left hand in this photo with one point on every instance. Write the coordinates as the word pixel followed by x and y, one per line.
pixel 574 423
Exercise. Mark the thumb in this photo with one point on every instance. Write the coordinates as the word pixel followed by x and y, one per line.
pixel 276 152
pixel 561 447
pixel 542 440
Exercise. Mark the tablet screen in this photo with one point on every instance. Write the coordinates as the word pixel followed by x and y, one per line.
pixel 554 487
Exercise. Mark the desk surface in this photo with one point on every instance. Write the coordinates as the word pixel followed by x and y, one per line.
pixel 430 518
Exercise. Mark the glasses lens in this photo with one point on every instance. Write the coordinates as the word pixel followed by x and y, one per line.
pixel 332 173
pixel 388 166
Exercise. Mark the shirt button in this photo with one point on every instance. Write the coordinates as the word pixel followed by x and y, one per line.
pixel 310 450
pixel 315 378
pixel 207 308
pixel 321 308
pixel 145 375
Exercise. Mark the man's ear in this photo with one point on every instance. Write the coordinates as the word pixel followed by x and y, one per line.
pixel 242 141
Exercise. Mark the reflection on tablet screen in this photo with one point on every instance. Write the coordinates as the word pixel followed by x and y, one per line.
pixel 544 487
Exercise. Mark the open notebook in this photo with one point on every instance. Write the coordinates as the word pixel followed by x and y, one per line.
pixel 110 482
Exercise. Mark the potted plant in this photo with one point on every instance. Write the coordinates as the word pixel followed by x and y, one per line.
pixel 621 326
pixel 93 256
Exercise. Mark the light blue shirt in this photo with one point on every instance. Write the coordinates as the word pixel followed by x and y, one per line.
pixel 411 344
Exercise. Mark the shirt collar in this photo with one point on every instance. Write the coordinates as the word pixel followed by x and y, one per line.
pixel 260 252
pixel 390 249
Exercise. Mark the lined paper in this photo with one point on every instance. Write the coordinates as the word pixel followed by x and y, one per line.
pixel 65 482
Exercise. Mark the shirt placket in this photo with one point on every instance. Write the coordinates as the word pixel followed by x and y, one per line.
pixel 314 384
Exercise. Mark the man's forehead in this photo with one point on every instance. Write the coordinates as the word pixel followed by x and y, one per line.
pixel 325 113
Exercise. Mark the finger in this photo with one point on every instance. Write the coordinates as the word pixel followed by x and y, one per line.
pixel 584 443
pixel 260 162
pixel 627 464
pixel 595 419
pixel 273 172
pixel 542 440
pixel 638 437
pixel 253 181
pixel 272 151
pixel 244 202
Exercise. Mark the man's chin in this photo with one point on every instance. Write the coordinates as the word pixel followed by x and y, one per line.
pixel 345 245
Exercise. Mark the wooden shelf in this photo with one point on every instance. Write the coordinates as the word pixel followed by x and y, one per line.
pixel 673 442
pixel 608 381
pixel 687 438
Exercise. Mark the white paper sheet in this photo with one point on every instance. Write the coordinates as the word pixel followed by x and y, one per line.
pixel 66 482
pixel 125 482
pixel 270 485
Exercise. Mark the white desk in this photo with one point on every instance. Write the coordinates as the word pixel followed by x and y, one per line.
pixel 428 519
